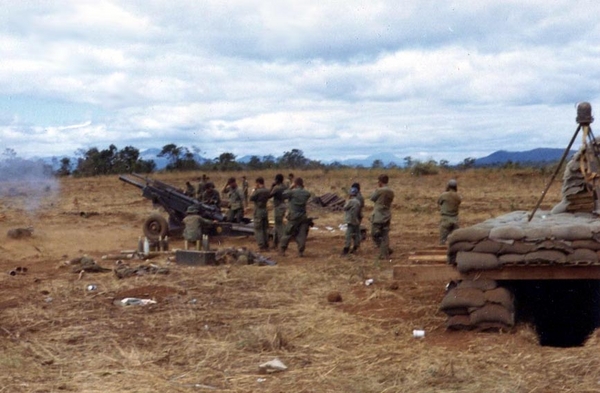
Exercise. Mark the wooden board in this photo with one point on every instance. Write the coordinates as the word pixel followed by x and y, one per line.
pixel 448 272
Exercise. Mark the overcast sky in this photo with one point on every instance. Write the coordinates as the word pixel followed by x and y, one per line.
pixel 336 79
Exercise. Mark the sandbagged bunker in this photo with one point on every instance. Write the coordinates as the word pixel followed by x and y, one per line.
pixel 564 312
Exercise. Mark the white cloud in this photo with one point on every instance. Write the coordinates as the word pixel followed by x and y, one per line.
pixel 264 77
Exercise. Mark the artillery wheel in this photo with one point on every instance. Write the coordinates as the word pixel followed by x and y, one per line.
pixel 155 226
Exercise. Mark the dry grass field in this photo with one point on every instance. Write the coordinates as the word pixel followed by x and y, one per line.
pixel 212 326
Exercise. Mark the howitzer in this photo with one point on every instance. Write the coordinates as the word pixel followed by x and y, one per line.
pixel 175 203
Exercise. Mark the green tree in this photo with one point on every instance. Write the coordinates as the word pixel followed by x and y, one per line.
pixel 377 164
pixel 293 159
pixel 65 167
pixel 226 162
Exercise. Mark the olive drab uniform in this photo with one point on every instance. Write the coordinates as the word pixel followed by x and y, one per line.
pixel 260 197
pixel 381 218
pixel 352 218
pixel 360 199
pixel 279 208
pixel 194 225
pixel 211 197
pixel 245 191
pixel 448 203
pixel 297 220
pixel 236 204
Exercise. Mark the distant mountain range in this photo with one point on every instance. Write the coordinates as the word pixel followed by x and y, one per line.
pixel 539 156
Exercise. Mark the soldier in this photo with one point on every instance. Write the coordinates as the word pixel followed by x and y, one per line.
pixel 297 221
pixel 382 216
pixel 279 207
pixel 352 220
pixel 210 196
pixel 236 201
pixel 449 203
pixel 290 180
pixel 194 225
pixel 201 186
pixel 189 189
pixel 360 198
pixel 260 197
pixel 245 190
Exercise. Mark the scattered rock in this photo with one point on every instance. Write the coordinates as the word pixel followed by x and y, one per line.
pixel 334 297
pixel 20 233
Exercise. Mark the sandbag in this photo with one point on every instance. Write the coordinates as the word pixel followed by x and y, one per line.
pixel 470 234
pixel 560 207
pixel 508 232
pixel 589 244
pixel 456 311
pixel 571 232
pixel 546 256
pixel 511 259
pixel 467 261
pixel 491 326
pixel 492 313
pixel 517 248
pixel 462 298
pixel 554 245
pixel 534 234
pixel 484 284
pixel 458 322
pixel 487 246
pixel 583 255
pixel 462 246
pixel 501 296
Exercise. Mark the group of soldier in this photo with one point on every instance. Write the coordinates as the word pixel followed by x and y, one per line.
pixel 292 197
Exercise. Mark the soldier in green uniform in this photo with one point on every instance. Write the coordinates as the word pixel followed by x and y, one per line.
pixel 189 189
pixel 201 186
pixel 245 190
pixel 297 220
pixel 279 207
pixel 210 196
pixel 352 220
pixel 260 197
pixel 360 198
pixel 236 201
pixel 449 203
pixel 382 216
pixel 194 224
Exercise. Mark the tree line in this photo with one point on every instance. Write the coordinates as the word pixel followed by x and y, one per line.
pixel 109 161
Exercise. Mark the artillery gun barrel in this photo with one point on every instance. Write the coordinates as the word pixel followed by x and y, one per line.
pixel 132 182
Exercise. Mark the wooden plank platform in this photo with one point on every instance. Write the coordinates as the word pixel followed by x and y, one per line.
pixel 440 272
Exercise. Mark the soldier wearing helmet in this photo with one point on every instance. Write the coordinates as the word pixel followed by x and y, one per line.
pixel 449 203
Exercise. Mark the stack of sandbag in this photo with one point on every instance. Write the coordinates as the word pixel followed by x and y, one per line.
pixel 511 239
pixel 576 193
pixel 480 305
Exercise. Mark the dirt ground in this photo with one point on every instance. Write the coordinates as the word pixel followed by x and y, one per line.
pixel 211 327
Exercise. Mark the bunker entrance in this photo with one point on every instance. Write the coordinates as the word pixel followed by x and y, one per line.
pixel 564 312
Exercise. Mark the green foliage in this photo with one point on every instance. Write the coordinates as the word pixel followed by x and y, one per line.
pixel 424 168
pixel 109 161
pixel 65 167
pixel 293 159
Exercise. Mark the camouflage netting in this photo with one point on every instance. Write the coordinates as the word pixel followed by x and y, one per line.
pixel 479 304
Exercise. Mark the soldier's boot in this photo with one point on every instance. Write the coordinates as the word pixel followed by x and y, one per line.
pixel 345 251
pixel 354 250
